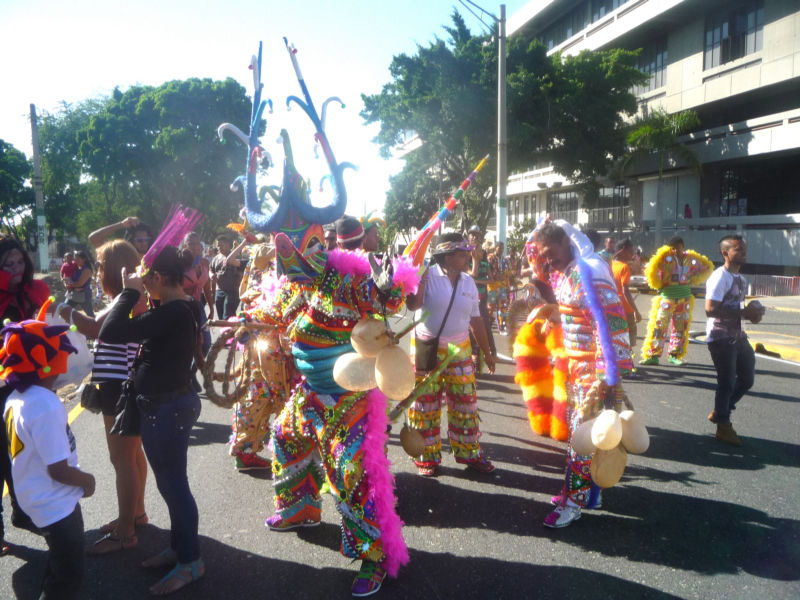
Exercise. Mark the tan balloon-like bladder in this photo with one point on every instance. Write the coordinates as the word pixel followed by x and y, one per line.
pixel 354 372
pixel 608 466
pixel 412 441
pixel 607 430
pixel 394 373
pixel 369 337
pixel 582 438
pixel 634 434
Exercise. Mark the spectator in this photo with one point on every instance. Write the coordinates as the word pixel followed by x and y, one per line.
pixel 49 483
pixel 479 271
pixel 79 286
pixel 68 267
pixel 112 363
pixel 226 274
pixel 169 407
pixel 330 238
pixel 137 233
pixel 20 298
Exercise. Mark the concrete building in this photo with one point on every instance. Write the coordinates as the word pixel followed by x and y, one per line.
pixel 736 63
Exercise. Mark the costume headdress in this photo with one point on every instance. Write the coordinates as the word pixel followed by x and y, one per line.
pixel 290 212
pixel 33 350
pixel 370 220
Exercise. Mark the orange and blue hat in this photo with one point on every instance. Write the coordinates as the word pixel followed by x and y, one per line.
pixel 33 350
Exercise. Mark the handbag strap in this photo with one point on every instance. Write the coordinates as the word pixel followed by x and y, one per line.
pixel 449 306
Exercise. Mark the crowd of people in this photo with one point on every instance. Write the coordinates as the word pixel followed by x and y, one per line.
pixel 151 339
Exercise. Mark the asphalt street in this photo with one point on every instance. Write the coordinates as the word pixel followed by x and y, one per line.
pixel 692 518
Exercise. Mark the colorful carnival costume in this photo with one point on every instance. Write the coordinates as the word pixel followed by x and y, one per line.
pixel 325 430
pixel 587 301
pixel 672 272
pixel 272 372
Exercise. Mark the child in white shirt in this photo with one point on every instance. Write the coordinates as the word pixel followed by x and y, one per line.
pixel 44 463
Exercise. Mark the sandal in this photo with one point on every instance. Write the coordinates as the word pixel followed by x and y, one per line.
pixel 139 521
pixel 166 558
pixel 110 542
pixel 182 575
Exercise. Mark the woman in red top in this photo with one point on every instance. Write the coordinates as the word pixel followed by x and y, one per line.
pixel 20 298
pixel 197 284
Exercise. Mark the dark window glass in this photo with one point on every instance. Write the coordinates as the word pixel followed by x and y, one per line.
pixel 734 33
pixel 653 61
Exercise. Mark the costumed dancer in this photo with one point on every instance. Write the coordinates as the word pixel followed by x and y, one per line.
pixel 446 286
pixel 373 225
pixel 322 296
pixel 272 372
pixel 595 335
pixel 672 271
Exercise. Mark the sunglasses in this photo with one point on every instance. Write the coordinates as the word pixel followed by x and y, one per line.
pixel 142 240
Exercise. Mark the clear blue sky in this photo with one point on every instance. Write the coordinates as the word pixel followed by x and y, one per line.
pixel 71 51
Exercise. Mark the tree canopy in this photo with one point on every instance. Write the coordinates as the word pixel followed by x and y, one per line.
pixel 16 199
pixel 564 110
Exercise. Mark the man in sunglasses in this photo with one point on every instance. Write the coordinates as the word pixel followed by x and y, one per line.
pixel 136 232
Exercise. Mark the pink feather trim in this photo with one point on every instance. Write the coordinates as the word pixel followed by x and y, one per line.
pixel 355 262
pixel 381 484
pixel 180 221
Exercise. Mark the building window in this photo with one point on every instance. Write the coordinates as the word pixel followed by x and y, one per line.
pixel 653 61
pixel 563 205
pixel 734 33
pixel 564 28
pixel 600 8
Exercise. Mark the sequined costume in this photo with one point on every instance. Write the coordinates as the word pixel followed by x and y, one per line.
pixel 457 385
pixel 585 363
pixel 583 346
pixel 325 430
pixel 672 274
pixel 272 372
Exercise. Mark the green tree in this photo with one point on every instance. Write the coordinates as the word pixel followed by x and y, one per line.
pixel 66 200
pixel 656 135
pixel 151 147
pixel 564 110
pixel 16 198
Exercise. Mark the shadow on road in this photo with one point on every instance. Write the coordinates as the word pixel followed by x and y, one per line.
pixel 706 451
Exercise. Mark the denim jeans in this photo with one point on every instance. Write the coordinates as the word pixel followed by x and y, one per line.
pixel 165 438
pixel 735 363
pixel 226 303
pixel 64 573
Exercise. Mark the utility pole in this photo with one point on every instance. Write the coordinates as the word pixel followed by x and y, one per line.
pixel 38 188
pixel 502 143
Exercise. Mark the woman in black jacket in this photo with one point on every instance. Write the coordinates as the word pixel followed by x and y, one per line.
pixel 168 405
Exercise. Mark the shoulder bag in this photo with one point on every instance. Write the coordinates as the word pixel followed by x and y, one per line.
pixel 425 351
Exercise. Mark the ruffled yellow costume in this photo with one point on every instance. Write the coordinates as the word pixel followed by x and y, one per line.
pixel 672 274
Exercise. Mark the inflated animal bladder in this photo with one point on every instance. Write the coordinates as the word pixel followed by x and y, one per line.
pixel 369 337
pixel 582 438
pixel 354 372
pixel 634 434
pixel 394 373
pixel 608 466
pixel 607 430
pixel 412 441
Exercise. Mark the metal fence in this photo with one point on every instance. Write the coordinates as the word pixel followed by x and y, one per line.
pixel 773 285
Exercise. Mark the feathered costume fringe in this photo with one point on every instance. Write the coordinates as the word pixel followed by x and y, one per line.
pixel 381 481
pixel 543 384
pixel 355 262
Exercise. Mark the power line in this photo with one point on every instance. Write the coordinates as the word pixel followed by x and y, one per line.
pixel 474 14
pixel 486 12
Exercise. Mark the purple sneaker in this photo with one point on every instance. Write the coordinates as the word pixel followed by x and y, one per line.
pixel 369 579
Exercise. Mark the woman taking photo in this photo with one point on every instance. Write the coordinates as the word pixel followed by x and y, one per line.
pixel 168 406
pixel 20 298
pixel 79 286
pixel 451 298
pixel 112 364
